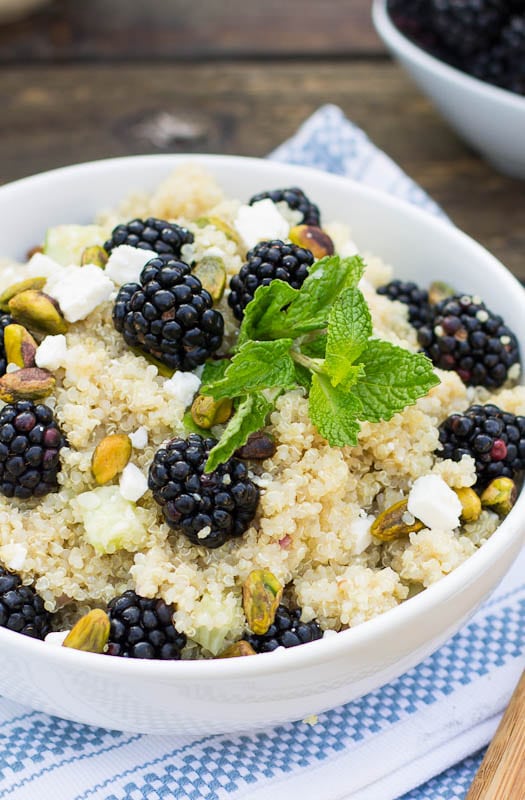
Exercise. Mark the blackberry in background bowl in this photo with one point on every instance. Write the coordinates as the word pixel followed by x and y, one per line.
pixel 468 57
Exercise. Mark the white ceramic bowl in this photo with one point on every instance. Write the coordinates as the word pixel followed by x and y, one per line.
pixel 236 694
pixel 490 119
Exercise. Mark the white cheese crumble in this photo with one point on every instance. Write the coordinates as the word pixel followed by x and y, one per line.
pixel 360 529
pixel 126 263
pixel 433 502
pixel 13 555
pixel 56 638
pixel 79 290
pixel 42 266
pixel 259 222
pixel 133 483
pixel 51 352
pixel 139 438
pixel 183 386
pixel 349 248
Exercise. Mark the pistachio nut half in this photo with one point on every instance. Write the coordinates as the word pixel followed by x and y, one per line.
pixel 90 633
pixel 395 522
pixel 37 310
pixel 470 504
pixel 313 239
pixel 110 457
pixel 261 595
pixel 499 496
pixel 20 347
pixel 28 383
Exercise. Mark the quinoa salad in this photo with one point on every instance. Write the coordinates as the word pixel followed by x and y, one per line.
pixel 225 429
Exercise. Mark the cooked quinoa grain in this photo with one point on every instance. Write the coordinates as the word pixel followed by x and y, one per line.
pixel 317 502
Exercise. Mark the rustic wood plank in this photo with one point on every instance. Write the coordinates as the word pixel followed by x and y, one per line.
pixel 184 29
pixel 54 116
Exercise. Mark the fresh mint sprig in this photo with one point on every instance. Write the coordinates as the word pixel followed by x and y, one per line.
pixel 318 337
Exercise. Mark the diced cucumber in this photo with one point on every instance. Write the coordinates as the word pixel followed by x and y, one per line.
pixel 66 243
pixel 110 522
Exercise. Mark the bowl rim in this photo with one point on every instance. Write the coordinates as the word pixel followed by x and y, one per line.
pixel 333 646
pixel 401 43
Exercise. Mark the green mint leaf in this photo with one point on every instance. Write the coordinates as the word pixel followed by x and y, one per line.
pixel 334 412
pixel 393 379
pixel 315 348
pixel 249 417
pixel 214 370
pixel 326 280
pixel 349 328
pixel 264 314
pixel 278 311
pixel 190 426
pixel 256 366
pixel 303 376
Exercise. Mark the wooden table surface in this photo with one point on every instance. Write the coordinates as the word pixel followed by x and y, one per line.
pixel 83 81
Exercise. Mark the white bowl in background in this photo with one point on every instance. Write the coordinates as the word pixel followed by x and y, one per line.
pixel 490 119
pixel 196 697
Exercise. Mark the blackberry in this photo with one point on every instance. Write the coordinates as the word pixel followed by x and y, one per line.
pixel 296 200
pixel 143 628
pixel 265 262
pixel 208 508
pixel 504 63
pixel 466 337
pixel 420 311
pixel 287 630
pixel 494 438
pixel 150 234
pixel 21 608
pixel 30 443
pixel 169 315
pixel 5 320
pixel 467 26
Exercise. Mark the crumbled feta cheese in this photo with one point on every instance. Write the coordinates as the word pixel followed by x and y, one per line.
pixel 360 529
pixel 139 438
pixel 51 352
pixel 79 290
pixel 349 248
pixel 13 555
pixel 183 386
pixel 56 638
pixel 133 483
pixel 42 266
pixel 126 263
pixel 261 221
pixel 433 502
pixel 292 215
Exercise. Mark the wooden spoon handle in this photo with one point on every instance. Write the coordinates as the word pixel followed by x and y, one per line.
pixel 501 775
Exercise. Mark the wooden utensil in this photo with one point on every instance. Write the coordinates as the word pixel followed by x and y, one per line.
pixel 501 775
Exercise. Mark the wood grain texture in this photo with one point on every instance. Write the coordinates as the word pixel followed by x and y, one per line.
pixel 185 29
pixel 501 775
pixel 54 116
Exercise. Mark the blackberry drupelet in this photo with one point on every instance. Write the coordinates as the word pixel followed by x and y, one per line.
pixel 5 320
pixel 266 262
pixel 494 438
pixel 169 315
pixel 467 26
pixel 467 337
pixel 21 608
pixel 143 628
pixel 420 311
pixel 287 630
pixel 30 443
pixel 150 234
pixel 296 200
pixel 208 508
pixel 504 63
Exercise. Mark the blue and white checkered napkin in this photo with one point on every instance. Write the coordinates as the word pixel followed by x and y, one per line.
pixel 418 738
